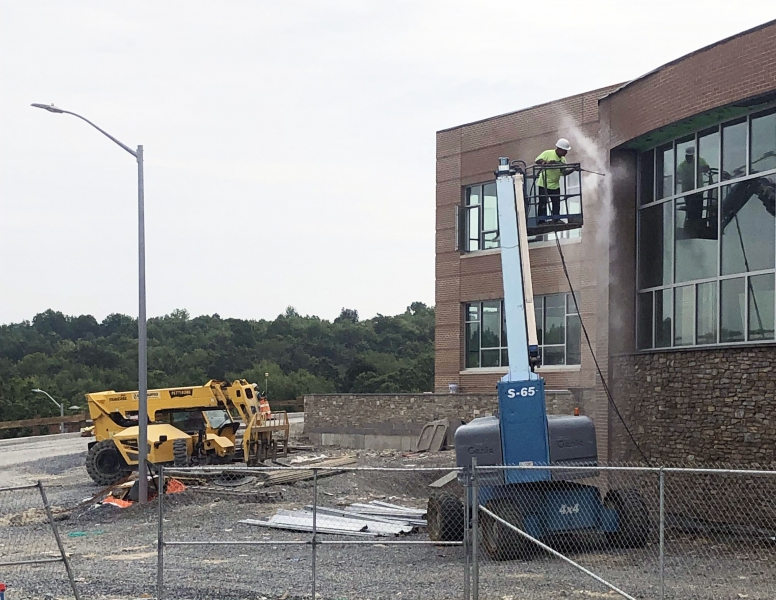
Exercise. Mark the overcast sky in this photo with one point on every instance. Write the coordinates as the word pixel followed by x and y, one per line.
pixel 289 144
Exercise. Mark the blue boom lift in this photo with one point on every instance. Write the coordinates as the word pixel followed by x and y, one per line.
pixel 542 503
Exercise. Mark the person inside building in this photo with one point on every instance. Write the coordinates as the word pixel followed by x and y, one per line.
pixel 548 183
pixel 685 172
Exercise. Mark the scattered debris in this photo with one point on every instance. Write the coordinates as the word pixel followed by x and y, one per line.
pixel 433 436
pixel 230 480
pixel 444 480
pixel 376 519
pixel 307 459
pixel 292 476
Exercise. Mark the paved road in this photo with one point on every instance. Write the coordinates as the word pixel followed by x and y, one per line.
pixel 22 450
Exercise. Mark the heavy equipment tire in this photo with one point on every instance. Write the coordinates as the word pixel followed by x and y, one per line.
pixel 501 542
pixel 633 516
pixel 180 453
pixel 445 518
pixel 105 464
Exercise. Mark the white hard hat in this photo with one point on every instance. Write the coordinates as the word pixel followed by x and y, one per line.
pixel 563 144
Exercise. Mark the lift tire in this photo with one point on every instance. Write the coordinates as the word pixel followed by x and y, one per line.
pixel 105 464
pixel 445 518
pixel 180 453
pixel 501 542
pixel 634 520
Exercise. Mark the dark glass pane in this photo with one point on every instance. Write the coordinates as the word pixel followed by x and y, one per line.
pixel 504 358
pixel 472 337
pixel 663 309
pixel 555 319
pixel 489 216
pixel 656 245
pixel 473 312
pixel 644 321
pixel 761 307
pixel 472 344
pixel 734 149
pixel 503 326
pixel 491 325
pixel 571 307
pixel 762 154
pixel 684 315
pixel 647 177
pixel 473 229
pixel 685 164
pixel 490 240
pixel 696 236
pixel 554 355
pixel 664 178
pixel 748 230
pixel 490 358
pixel 539 322
pixel 708 157
pixel 573 341
pixel 706 319
pixel 473 195
pixel 732 304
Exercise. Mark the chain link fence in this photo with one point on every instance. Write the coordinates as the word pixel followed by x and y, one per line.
pixel 33 562
pixel 377 533
pixel 291 532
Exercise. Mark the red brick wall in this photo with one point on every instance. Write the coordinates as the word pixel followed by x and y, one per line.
pixel 467 155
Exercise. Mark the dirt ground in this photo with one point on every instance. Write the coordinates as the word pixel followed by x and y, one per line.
pixel 114 551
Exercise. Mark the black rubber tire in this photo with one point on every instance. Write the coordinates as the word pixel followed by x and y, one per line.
pixel 635 522
pixel 499 541
pixel 180 453
pixel 445 518
pixel 105 464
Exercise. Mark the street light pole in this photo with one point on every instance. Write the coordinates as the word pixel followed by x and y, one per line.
pixel 142 341
pixel 61 408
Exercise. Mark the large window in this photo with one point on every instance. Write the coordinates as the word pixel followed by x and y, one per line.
pixel 707 236
pixel 557 326
pixel 558 329
pixel 480 217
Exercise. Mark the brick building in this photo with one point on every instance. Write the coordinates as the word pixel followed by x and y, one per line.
pixel 674 265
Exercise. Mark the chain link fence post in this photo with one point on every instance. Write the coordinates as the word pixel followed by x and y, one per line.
pixel 314 539
pixel 467 496
pixel 662 535
pixel 54 529
pixel 160 538
pixel 475 530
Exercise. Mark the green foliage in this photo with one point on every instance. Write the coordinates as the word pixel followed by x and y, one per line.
pixel 71 356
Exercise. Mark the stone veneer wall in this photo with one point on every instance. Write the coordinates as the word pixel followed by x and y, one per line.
pixel 405 414
pixel 697 407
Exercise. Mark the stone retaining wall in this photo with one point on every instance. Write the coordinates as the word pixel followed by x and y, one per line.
pixel 395 420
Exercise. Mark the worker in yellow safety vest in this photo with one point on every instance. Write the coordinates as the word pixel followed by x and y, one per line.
pixel 548 183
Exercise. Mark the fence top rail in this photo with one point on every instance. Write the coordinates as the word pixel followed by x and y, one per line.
pixel 697 470
pixel 29 486
pixel 246 470
pixel 485 468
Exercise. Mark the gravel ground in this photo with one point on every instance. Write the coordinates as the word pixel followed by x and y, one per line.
pixel 113 551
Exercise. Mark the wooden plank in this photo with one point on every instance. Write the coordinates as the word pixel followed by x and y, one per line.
pixel 40 421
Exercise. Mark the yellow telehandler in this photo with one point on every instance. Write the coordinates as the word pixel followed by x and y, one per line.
pixel 186 425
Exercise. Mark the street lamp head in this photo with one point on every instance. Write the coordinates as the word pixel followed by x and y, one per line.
pixel 37 391
pixel 48 107
pixel 74 407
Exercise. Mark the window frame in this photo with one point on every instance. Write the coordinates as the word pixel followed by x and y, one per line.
pixel 462 219
pixel 569 312
pixel 718 278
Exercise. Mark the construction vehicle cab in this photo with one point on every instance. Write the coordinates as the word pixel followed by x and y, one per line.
pixel 186 425
pixel 538 502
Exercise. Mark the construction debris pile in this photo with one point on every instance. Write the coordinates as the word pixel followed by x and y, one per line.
pixel 374 519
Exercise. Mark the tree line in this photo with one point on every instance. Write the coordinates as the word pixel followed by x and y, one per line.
pixel 69 356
